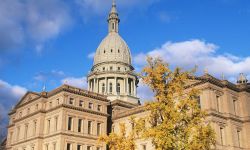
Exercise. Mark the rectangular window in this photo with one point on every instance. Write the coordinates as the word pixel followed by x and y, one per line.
pixel 88 147
pixel 98 148
pixel 50 104
pixel 80 125
pixel 69 123
pixel 79 147
pixel 90 105
pixel 56 123
pixel 11 135
pixel 81 103
pixel 235 106
pixel 28 111
pixel 98 129
pixel 54 146
pixel 18 133
pixel 198 98
pixel 222 135
pixel 26 131
pixel 239 137
pixel 71 101
pixel 68 146
pixel 48 125
pixel 218 101
pixel 35 124
pixel 99 108
pixel 89 127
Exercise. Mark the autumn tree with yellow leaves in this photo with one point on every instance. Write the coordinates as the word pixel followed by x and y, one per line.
pixel 120 141
pixel 175 120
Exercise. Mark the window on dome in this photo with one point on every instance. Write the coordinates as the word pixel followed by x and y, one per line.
pixel 103 68
pixel 103 88
pixel 118 88
pixel 111 68
pixel 119 68
pixel 110 88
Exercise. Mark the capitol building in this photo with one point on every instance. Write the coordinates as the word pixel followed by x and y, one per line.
pixel 70 118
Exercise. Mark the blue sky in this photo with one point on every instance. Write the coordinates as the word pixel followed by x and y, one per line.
pixel 51 41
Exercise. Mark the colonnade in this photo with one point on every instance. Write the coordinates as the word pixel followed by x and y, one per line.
pixel 129 86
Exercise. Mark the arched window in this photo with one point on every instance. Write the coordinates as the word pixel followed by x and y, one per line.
pixel 118 88
pixel 118 51
pixel 103 88
pixel 111 50
pixel 110 88
pixel 113 26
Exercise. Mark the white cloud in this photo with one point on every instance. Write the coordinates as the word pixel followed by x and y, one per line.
pixel 91 55
pixel 9 95
pixel 25 20
pixel 80 82
pixel 45 76
pixel 187 54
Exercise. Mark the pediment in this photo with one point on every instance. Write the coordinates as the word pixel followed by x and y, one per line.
pixel 29 96
pixel 193 82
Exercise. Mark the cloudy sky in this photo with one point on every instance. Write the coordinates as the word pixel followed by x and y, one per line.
pixel 53 41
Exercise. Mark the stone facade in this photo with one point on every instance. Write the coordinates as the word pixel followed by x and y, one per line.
pixel 228 108
pixel 69 118
pixel 65 118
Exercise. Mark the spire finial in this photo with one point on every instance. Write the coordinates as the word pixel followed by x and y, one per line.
pixel 205 71
pixel 113 18
pixel 113 3
pixel 223 76
pixel 44 88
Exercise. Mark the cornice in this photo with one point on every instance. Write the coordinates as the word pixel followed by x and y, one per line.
pixel 58 107
pixel 56 134
pixel 112 62
pixel 78 91
pixel 207 78
pixel 127 113
pixel 114 72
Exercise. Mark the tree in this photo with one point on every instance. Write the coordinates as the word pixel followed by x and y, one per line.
pixel 175 119
pixel 119 141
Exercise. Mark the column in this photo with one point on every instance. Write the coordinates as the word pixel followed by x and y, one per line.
pixel 94 84
pixel 106 85
pixel 128 86
pixel 124 86
pixel 97 91
pixel 115 90
pixel 135 88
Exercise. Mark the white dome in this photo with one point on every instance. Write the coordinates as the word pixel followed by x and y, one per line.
pixel 113 49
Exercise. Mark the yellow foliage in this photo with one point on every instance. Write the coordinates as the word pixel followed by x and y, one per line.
pixel 119 141
pixel 176 120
